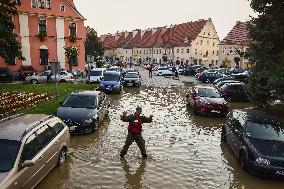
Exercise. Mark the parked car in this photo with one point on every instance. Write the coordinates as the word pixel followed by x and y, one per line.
pixel 221 83
pixel 163 71
pixel 84 111
pixel 131 79
pixel 96 75
pixel 48 76
pixel 223 79
pixel 5 75
pixel 31 146
pixel 132 70
pixel 190 71
pixel 26 71
pixel 114 68
pixel 233 92
pixel 111 82
pixel 257 140
pixel 209 77
pixel 206 100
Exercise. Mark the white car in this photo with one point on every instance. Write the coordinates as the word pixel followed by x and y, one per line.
pixel 61 77
pixel 163 71
pixel 96 75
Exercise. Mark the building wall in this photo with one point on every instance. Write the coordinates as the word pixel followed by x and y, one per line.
pixel 57 25
pixel 205 47
pixel 228 53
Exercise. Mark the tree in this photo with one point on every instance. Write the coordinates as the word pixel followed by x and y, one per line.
pixel 10 48
pixel 266 51
pixel 93 46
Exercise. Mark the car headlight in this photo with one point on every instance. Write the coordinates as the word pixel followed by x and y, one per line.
pixel 88 121
pixel 102 85
pixel 137 81
pixel 263 161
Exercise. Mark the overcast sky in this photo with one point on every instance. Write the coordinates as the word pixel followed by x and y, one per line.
pixel 110 16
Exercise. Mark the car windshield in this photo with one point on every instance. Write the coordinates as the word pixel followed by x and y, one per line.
pixel 8 153
pixel 114 69
pixel 207 92
pixel 131 75
pixel 111 77
pixel 265 131
pixel 96 73
pixel 80 101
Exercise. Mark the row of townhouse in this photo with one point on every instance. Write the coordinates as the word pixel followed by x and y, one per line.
pixel 188 43
pixel 45 28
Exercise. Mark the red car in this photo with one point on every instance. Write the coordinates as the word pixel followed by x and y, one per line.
pixel 207 100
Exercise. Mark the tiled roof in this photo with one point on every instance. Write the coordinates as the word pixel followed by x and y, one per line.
pixel 169 37
pixel 109 42
pixel 237 36
pixel 183 34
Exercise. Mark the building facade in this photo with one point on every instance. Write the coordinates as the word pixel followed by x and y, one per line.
pixel 188 43
pixel 236 41
pixel 45 28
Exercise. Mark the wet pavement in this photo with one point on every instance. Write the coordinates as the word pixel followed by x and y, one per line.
pixel 184 150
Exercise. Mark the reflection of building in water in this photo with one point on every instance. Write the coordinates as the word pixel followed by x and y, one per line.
pixel 133 180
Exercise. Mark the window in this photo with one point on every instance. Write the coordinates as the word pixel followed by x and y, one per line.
pixel 42 26
pixel 48 4
pixel 144 51
pixel 182 50
pixel 201 42
pixel 213 52
pixel 62 8
pixel 57 127
pixel 44 56
pixel 18 2
pixel 74 60
pixel 217 53
pixel 41 4
pixel 45 134
pixel 11 60
pixel 160 51
pixel 72 28
pixel 196 51
pixel 31 148
pixel 231 50
pixel 150 51
pixel 213 44
pixel 224 50
pixel 187 50
pixel 207 42
pixel 177 50
pixel 34 3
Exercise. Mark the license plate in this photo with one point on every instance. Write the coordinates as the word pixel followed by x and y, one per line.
pixel 279 173
pixel 129 84
pixel 108 88
pixel 73 128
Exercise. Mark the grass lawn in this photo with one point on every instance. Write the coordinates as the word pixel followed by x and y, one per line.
pixel 51 106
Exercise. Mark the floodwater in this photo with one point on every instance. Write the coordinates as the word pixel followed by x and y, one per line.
pixel 184 150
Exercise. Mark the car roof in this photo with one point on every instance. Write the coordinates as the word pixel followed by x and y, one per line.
pixel 257 116
pixel 86 93
pixel 204 87
pixel 112 73
pixel 16 128
pixel 98 69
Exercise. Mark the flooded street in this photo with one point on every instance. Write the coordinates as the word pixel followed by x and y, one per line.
pixel 184 150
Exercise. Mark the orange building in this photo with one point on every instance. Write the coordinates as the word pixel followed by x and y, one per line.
pixel 45 28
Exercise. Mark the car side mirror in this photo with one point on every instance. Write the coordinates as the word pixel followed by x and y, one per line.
pixel 28 163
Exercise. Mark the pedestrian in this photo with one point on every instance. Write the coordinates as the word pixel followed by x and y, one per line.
pixel 151 70
pixel 173 71
pixel 135 131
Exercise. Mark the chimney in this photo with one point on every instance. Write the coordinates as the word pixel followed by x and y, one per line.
pixel 209 19
pixel 143 32
pixel 135 32
pixel 164 30
pixel 200 20
pixel 103 37
pixel 117 36
pixel 126 34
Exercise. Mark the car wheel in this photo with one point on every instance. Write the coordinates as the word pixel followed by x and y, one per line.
pixel 243 161
pixel 96 125
pixel 34 81
pixel 223 135
pixel 228 98
pixel 62 81
pixel 62 157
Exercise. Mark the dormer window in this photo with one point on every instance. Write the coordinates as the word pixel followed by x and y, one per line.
pixel 18 2
pixel 62 8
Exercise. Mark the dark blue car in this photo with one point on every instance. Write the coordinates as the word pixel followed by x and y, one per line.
pixel 111 82
pixel 209 77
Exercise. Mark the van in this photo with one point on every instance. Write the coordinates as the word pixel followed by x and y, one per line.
pixel 96 75
pixel 30 147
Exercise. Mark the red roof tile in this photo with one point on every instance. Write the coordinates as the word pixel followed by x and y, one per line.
pixel 109 42
pixel 237 36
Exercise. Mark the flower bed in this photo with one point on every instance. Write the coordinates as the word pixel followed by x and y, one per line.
pixel 14 102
